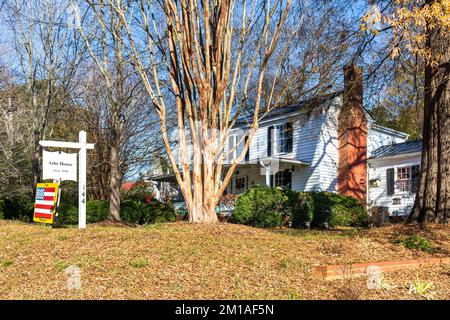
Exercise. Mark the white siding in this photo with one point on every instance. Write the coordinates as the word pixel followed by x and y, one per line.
pixel 377 138
pixel 377 196
pixel 328 146
pixel 315 141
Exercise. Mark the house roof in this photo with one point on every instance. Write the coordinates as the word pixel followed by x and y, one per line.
pixel 127 186
pixel 390 131
pixel 398 149
pixel 280 111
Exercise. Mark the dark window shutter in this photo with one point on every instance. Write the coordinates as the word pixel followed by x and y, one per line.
pixel 247 154
pixel 269 140
pixel 288 174
pixel 272 178
pixel 390 181
pixel 288 133
pixel 415 173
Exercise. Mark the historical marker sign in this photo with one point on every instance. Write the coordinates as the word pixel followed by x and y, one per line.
pixel 59 165
pixel 82 147
pixel 45 203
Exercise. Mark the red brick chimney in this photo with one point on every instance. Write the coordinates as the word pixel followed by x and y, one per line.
pixel 352 136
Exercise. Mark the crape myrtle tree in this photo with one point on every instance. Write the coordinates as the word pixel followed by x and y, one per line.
pixel 422 27
pixel 201 57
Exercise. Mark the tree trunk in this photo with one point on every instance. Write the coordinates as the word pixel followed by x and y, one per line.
pixel 203 204
pixel 432 202
pixel 115 174
pixel 36 162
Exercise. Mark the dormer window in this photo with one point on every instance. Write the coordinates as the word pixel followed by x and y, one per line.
pixel 279 139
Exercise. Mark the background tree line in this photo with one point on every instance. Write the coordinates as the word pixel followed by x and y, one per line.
pixel 119 71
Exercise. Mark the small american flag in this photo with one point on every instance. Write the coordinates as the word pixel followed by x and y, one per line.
pixel 45 201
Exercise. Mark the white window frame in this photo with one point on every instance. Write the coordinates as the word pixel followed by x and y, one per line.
pixel 279 136
pixel 404 185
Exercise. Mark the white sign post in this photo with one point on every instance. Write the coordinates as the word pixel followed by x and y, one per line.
pixel 56 173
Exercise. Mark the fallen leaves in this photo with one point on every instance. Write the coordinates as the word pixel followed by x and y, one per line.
pixel 193 261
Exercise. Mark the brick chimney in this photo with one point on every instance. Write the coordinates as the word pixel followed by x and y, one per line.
pixel 352 136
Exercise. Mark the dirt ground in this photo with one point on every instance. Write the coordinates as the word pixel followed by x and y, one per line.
pixel 223 261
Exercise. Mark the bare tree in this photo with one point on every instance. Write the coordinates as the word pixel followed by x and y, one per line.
pixel 48 55
pixel 119 115
pixel 138 138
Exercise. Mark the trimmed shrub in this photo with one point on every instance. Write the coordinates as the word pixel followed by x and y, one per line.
pixel 18 208
pixel 96 211
pixel 68 213
pixel 146 213
pixel 2 208
pixel 319 208
pixel 301 207
pixel 131 211
pixel 260 207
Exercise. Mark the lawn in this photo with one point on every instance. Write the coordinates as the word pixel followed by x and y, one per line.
pixel 223 261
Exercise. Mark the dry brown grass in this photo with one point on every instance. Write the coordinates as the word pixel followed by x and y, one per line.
pixel 223 261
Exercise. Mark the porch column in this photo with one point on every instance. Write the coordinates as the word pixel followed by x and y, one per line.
pixel 268 171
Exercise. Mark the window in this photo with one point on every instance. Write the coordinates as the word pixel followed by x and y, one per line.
pixel 283 179
pixel 283 142
pixel 408 178
pixel 285 138
pixel 236 146
pixel 240 185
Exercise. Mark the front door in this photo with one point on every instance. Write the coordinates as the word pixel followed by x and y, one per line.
pixel 240 184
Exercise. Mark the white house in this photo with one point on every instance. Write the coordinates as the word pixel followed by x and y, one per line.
pixel 393 176
pixel 328 143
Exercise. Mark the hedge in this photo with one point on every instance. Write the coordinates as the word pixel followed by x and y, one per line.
pixel 260 207
pixel 319 208
pixel 271 207
pixel 145 213
pixel 18 208
pixel 21 208
pixel 2 208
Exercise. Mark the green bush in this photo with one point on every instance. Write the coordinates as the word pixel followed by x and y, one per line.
pixel 417 242
pixel 96 211
pixel 321 207
pixel 2 208
pixel 301 207
pixel 145 213
pixel 18 208
pixel 260 207
pixel 68 213
pixel 131 211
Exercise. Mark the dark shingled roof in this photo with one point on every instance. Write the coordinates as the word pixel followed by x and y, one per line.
pixel 397 149
pixel 316 101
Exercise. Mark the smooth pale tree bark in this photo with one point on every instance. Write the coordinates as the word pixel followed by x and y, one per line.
pixel 432 202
